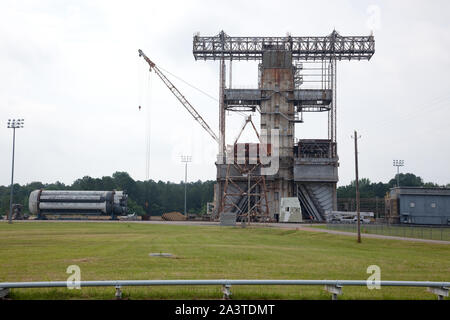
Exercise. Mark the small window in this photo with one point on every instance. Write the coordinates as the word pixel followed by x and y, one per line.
pixel 287 209
pixel 433 205
pixel 275 196
pixel 412 204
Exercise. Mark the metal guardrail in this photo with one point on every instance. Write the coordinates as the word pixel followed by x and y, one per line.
pixel 441 289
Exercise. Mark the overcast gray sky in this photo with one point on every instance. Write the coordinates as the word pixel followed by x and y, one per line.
pixel 71 69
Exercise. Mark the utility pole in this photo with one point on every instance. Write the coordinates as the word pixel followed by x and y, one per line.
pixel 13 124
pixel 358 214
pixel 185 159
pixel 398 164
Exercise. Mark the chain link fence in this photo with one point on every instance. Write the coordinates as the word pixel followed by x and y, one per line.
pixel 406 231
pixel 375 205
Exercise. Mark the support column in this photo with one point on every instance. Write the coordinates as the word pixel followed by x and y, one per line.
pixel 118 294
pixel 335 291
pixel 222 112
pixel 439 292
pixel 4 292
pixel 335 99
pixel 226 290
pixel 277 84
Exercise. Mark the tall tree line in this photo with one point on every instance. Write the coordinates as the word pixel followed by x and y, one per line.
pixel 156 198
pixel 368 189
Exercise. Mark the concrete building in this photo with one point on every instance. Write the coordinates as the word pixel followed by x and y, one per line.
pixel 290 210
pixel 415 205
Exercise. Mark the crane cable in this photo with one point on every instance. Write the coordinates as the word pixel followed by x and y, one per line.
pixel 417 110
pixel 144 102
pixel 148 128
pixel 196 88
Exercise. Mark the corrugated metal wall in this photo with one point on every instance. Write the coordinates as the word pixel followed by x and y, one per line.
pixel 424 209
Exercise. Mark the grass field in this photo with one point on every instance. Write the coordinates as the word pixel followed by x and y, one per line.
pixel 112 251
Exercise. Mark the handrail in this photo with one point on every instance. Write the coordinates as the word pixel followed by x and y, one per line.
pixel 105 283
pixel 441 289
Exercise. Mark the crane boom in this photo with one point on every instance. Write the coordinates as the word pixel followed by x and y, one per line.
pixel 179 96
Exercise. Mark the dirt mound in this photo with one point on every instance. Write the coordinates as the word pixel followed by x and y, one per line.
pixel 173 216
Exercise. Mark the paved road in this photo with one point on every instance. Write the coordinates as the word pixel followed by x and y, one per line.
pixel 296 226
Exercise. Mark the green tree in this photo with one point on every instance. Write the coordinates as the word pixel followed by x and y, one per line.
pixel 123 181
pixel 133 207
pixel 406 180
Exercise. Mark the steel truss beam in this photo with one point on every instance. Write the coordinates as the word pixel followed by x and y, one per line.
pixel 333 46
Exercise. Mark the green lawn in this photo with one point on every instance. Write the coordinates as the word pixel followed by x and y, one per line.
pixel 111 251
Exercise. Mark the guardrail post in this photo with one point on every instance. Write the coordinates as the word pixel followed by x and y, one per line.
pixel 4 292
pixel 118 292
pixel 440 292
pixel 335 290
pixel 226 290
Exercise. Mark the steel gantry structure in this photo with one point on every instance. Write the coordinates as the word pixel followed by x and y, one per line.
pixel 333 46
pixel 281 98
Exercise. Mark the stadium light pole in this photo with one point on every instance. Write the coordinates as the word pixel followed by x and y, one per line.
pixel 185 159
pixel 13 124
pixel 398 164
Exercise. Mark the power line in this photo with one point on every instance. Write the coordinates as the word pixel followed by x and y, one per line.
pixel 190 85
pixel 435 104
pixel 196 88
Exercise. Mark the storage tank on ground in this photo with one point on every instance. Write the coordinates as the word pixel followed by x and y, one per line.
pixel 69 202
